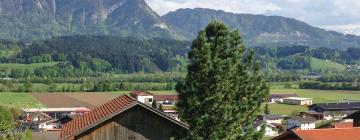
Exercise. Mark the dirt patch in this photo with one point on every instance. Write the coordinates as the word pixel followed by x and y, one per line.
pixel 88 100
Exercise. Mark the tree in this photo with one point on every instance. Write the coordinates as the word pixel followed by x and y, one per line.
pixel 161 108
pixel 267 110
pixel 28 85
pixel 223 90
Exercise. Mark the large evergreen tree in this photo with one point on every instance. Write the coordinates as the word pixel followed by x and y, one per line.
pixel 223 90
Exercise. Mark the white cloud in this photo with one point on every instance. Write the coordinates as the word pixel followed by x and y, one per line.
pixel 236 6
pixel 321 13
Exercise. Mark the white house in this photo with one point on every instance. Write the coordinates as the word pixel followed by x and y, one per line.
pixel 270 130
pixel 143 96
pixel 303 122
pixel 297 101
pixel 278 98
pixel 272 118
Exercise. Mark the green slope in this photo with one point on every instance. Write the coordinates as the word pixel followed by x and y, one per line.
pixel 319 64
pixel 26 66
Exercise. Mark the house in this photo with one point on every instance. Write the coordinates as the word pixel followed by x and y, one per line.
pixel 143 96
pixel 40 121
pixel 297 101
pixel 123 118
pixel 166 99
pixel 355 117
pixel 335 111
pixel 272 118
pixel 278 98
pixel 270 130
pixel 340 124
pixel 302 122
pixel 57 113
pixel 321 134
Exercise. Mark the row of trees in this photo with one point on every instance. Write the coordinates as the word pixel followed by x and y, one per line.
pixel 329 86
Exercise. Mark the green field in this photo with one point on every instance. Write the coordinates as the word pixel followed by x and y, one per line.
pixel 284 109
pixel 26 66
pixel 318 64
pixel 322 96
pixel 18 100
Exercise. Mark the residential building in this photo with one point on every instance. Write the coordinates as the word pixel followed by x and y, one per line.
pixel 270 130
pixel 302 122
pixel 321 134
pixel 272 118
pixel 143 96
pixel 335 111
pixel 166 99
pixel 123 118
pixel 297 101
pixel 278 98
pixel 56 113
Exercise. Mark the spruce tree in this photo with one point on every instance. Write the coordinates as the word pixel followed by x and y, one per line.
pixel 267 110
pixel 223 90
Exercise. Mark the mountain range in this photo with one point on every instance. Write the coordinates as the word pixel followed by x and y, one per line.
pixel 43 19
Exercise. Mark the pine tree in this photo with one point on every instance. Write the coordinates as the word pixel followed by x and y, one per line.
pixel 223 90
pixel 267 110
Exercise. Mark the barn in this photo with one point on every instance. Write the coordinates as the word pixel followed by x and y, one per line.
pixel 123 118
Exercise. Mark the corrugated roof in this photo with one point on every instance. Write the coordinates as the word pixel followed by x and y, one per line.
pixel 329 134
pixel 338 106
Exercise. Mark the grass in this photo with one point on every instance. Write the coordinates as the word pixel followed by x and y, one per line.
pixel 26 66
pixel 318 64
pixel 18 100
pixel 322 96
pixel 284 109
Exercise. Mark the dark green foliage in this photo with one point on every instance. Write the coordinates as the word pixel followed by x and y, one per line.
pixel 266 110
pixel 329 86
pixel 223 90
pixel 6 121
pixel 154 104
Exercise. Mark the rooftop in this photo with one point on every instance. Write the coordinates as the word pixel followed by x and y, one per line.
pixel 329 134
pixel 304 119
pixel 276 95
pixel 140 93
pixel 103 113
pixel 338 106
pixel 298 98
pixel 165 97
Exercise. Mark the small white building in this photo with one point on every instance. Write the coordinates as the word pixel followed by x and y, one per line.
pixel 297 101
pixel 304 122
pixel 143 96
pixel 270 130
pixel 278 98
pixel 272 118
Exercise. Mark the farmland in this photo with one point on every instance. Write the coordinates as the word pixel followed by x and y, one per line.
pixel 26 66
pixel 91 100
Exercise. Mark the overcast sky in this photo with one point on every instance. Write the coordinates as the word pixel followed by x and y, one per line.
pixel 321 13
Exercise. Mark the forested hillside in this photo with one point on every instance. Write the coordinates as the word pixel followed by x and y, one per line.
pixel 92 55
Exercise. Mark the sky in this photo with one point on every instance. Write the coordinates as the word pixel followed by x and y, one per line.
pixel 339 15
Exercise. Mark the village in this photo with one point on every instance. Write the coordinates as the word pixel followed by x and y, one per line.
pixel 132 115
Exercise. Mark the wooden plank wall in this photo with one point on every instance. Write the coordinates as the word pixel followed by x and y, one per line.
pixel 137 123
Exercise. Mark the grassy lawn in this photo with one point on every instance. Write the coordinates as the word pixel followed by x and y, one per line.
pixel 284 109
pixel 18 100
pixel 318 64
pixel 27 66
pixel 322 96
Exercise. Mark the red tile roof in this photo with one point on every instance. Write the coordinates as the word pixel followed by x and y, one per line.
pixel 165 97
pixel 104 112
pixel 96 115
pixel 329 134
pixel 344 125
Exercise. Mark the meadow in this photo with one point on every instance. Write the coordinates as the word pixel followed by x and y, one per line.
pixel 26 66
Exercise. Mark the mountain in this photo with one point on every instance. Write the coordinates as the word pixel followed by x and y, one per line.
pixel 260 30
pixel 42 19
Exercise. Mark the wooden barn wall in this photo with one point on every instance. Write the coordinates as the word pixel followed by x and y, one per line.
pixel 137 123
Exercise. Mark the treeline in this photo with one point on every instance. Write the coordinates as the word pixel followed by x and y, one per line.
pixel 86 55
pixel 330 86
